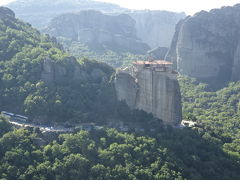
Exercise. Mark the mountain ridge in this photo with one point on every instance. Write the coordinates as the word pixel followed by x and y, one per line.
pixel 154 27
pixel 38 13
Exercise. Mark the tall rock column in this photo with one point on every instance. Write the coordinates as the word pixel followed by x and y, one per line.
pixel 153 91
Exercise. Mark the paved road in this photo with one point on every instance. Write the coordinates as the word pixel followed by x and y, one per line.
pixel 42 128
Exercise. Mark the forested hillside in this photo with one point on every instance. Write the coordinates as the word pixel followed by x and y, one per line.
pixel 40 80
pixel 208 151
pixel 218 112
pixel 193 154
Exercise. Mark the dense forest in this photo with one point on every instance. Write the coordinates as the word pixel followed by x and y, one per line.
pixel 208 151
pixel 169 153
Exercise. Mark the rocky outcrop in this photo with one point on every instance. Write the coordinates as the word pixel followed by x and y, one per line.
pixel 152 91
pixel 156 28
pixel 5 12
pixel 99 31
pixel 206 46
pixel 126 88
pixel 53 72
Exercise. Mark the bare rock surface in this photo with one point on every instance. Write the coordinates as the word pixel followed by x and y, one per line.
pixel 151 91
pixel 206 46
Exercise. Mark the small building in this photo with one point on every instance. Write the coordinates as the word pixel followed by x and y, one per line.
pixel 186 123
pixel 156 65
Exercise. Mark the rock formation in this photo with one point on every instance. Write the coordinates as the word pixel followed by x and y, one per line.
pixel 152 87
pixel 156 28
pixel 5 12
pixel 99 31
pixel 207 46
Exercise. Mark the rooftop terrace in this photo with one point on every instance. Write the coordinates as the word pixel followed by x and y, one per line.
pixel 155 62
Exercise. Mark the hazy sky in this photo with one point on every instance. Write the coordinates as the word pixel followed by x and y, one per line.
pixel 188 6
pixel 3 2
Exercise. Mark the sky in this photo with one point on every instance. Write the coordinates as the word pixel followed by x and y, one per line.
pixel 188 6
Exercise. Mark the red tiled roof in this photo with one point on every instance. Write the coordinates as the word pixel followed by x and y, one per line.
pixel 153 62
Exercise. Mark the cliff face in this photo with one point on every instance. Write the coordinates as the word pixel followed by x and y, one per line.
pixel 99 31
pixel 206 46
pixel 56 73
pixel 156 28
pixel 5 12
pixel 152 91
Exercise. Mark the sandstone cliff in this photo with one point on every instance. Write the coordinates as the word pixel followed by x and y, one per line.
pixel 152 91
pixel 206 46
pixel 99 31
pixel 156 28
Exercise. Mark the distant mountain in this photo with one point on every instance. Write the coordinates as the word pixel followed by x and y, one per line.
pixel 40 12
pixel 207 46
pixel 100 32
pixel 155 28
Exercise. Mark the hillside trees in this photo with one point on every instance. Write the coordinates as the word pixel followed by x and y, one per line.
pixel 109 154
pixel 217 112
pixel 4 125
